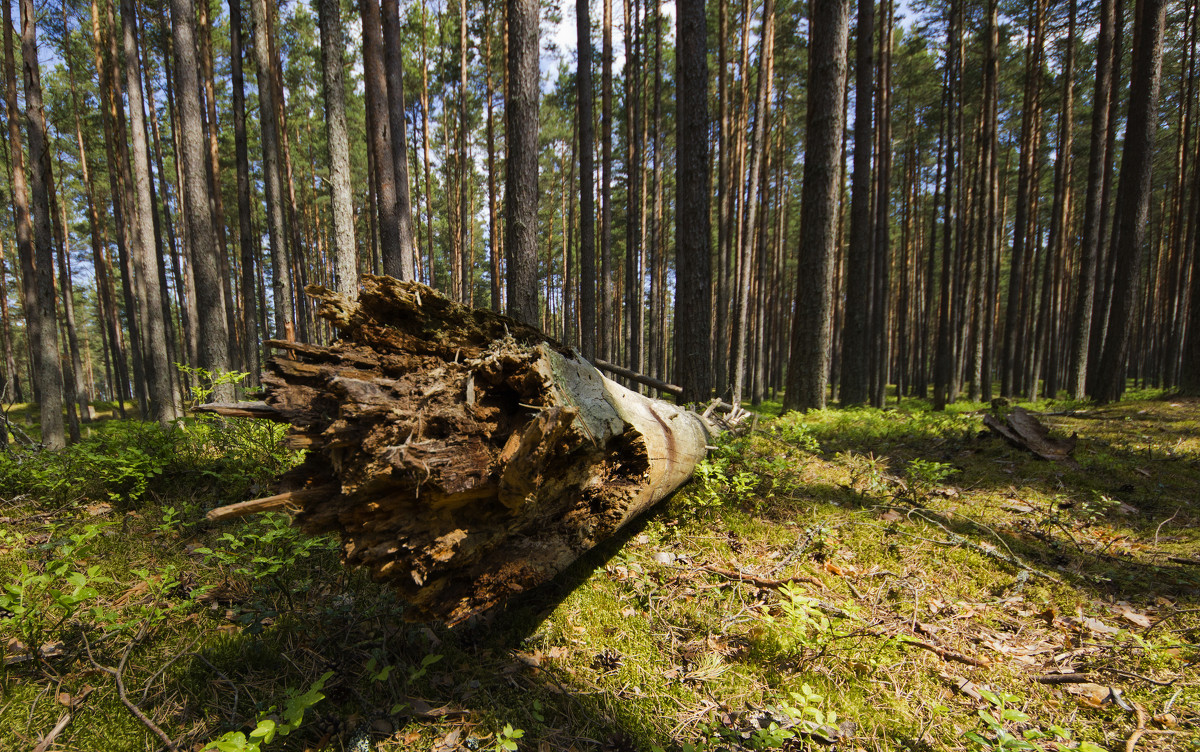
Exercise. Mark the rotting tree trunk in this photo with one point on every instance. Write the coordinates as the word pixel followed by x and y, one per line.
pixel 462 456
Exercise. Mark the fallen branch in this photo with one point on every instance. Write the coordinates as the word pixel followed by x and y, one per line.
pixel 661 386
pixel 118 674
pixel 286 500
pixel 462 457
pixel 242 410
pixel 761 581
pixel 946 655
pixel 59 727
pixel 1140 730
pixel 1063 679
pixel 1024 431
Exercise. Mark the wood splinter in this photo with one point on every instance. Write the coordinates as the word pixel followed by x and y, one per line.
pixel 462 456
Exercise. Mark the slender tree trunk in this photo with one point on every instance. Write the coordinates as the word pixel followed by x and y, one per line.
pixel 606 346
pixel 164 406
pixel 1060 216
pixel 587 189
pixel 105 293
pixel 206 254
pixel 880 341
pixel 1098 157
pixel 73 363
pixel 338 137
pixel 944 366
pixel 493 202
pixel 33 227
pixel 693 301
pixel 281 284
pixel 856 355
pixel 825 119
pixel 1011 361
pixel 758 153
pixel 213 172
pixel 1133 194
pixel 394 65
pixel 245 230
pixel 521 166
pixel 10 384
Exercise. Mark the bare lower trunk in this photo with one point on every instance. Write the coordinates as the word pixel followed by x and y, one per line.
pixel 484 462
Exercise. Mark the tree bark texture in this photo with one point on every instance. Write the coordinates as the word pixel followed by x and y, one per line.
pixel 281 282
pixel 345 254
pixel 462 456
pixel 250 341
pixel 856 354
pixel 1133 195
pixel 44 342
pixel 393 60
pixel 808 371
pixel 587 189
pixel 521 166
pixel 206 259
pixel 693 292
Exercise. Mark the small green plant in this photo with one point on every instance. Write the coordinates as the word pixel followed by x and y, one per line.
pixel 802 624
pixel 266 550
pixel 506 738
pixel 999 721
pixel 39 602
pixel 423 669
pixel 270 724
pixel 807 709
pixel 867 473
pixel 926 475
pixel 204 382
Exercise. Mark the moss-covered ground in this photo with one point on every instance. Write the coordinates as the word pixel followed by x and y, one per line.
pixel 853 579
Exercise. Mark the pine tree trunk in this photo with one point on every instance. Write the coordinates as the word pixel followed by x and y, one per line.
pixel 587 187
pixel 281 283
pixel 210 307
pixel 757 157
pixel 825 119
pixel 245 232
pixel 693 291
pixel 856 360
pixel 105 293
pixel 1011 360
pixel 880 339
pixel 33 223
pixel 521 165
pixel 605 346
pixel 1133 195
pixel 1060 215
pixel 394 66
pixel 338 138
pixel 493 202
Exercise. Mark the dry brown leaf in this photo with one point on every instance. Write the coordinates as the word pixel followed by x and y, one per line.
pixel 966 686
pixel 449 742
pixel 1133 617
pixel 1091 695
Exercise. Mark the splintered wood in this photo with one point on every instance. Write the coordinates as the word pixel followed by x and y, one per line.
pixel 461 456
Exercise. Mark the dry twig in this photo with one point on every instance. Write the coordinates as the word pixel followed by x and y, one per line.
pixel 118 674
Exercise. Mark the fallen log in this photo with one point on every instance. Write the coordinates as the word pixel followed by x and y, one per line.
pixel 462 457
pixel 1021 429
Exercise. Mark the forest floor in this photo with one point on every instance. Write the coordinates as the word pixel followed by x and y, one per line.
pixel 853 579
